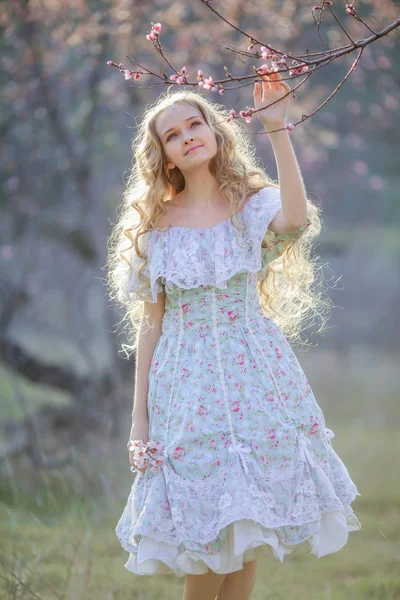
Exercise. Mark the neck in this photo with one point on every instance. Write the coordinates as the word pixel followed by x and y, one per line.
pixel 200 188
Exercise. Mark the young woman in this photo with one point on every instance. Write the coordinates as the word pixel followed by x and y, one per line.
pixel 211 260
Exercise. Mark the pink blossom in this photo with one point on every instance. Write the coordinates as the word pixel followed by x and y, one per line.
pixel 200 73
pixel 265 53
pixel 290 126
pixel 128 74
pixel 208 83
pixel 154 33
pixel 263 70
pixel 178 452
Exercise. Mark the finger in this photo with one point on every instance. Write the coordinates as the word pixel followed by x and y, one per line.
pixel 278 78
pixel 257 90
pixel 266 81
pixel 138 468
pixel 274 78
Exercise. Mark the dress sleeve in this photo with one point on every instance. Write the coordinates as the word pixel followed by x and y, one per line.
pixel 273 244
pixel 150 289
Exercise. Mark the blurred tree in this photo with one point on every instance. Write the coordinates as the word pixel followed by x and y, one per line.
pixel 65 144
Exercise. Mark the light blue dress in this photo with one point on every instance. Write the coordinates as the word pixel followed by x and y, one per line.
pixel 249 463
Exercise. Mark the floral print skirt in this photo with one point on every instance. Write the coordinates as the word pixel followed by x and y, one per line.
pixel 249 464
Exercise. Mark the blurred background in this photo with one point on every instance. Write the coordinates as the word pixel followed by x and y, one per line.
pixel 66 125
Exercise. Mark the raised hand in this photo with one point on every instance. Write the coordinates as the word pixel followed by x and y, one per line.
pixel 272 89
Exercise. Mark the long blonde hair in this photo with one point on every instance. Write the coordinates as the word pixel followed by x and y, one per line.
pixel 285 293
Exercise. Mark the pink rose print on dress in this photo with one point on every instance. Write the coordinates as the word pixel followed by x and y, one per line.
pixel 202 410
pixel 278 352
pixel 239 360
pixel 179 452
pixel 236 406
pixel 155 367
pixel 233 315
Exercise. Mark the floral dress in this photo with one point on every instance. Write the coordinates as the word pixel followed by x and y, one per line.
pixel 249 466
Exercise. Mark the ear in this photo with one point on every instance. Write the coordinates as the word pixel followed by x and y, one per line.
pixel 170 166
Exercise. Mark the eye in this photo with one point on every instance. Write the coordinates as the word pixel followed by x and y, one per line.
pixel 193 123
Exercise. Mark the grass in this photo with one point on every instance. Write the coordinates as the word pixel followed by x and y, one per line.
pixel 57 537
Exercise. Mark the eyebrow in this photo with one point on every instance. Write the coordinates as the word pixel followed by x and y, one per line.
pixel 188 119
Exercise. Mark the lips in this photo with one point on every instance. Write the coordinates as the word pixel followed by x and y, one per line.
pixel 194 148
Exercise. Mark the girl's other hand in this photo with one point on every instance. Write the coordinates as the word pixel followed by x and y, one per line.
pixel 139 431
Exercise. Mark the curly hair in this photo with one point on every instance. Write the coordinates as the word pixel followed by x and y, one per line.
pixel 290 293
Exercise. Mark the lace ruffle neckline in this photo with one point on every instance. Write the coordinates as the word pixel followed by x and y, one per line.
pixel 213 227
pixel 188 257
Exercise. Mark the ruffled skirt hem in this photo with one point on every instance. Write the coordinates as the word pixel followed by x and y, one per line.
pixel 245 540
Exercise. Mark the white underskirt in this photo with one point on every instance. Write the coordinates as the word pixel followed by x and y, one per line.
pixel 246 540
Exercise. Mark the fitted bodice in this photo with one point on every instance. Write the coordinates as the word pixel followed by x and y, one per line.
pixel 196 309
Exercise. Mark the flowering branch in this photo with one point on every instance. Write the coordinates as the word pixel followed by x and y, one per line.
pixel 285 63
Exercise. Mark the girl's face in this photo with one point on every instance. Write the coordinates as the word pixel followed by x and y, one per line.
pixel 181 128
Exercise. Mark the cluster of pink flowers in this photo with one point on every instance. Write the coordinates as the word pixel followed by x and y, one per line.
pixel 127 73
pixel 208 83
pixel 154 33
pixel 295 69
pixel 245 114
pixel 232 115
pixel 180 77
pixel 147 455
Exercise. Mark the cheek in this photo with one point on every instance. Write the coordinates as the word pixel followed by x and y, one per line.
pixel 211 141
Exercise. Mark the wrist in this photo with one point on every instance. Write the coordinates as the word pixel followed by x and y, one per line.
pixel 271 127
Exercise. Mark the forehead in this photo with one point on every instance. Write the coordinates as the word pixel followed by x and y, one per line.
pixel 174 116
